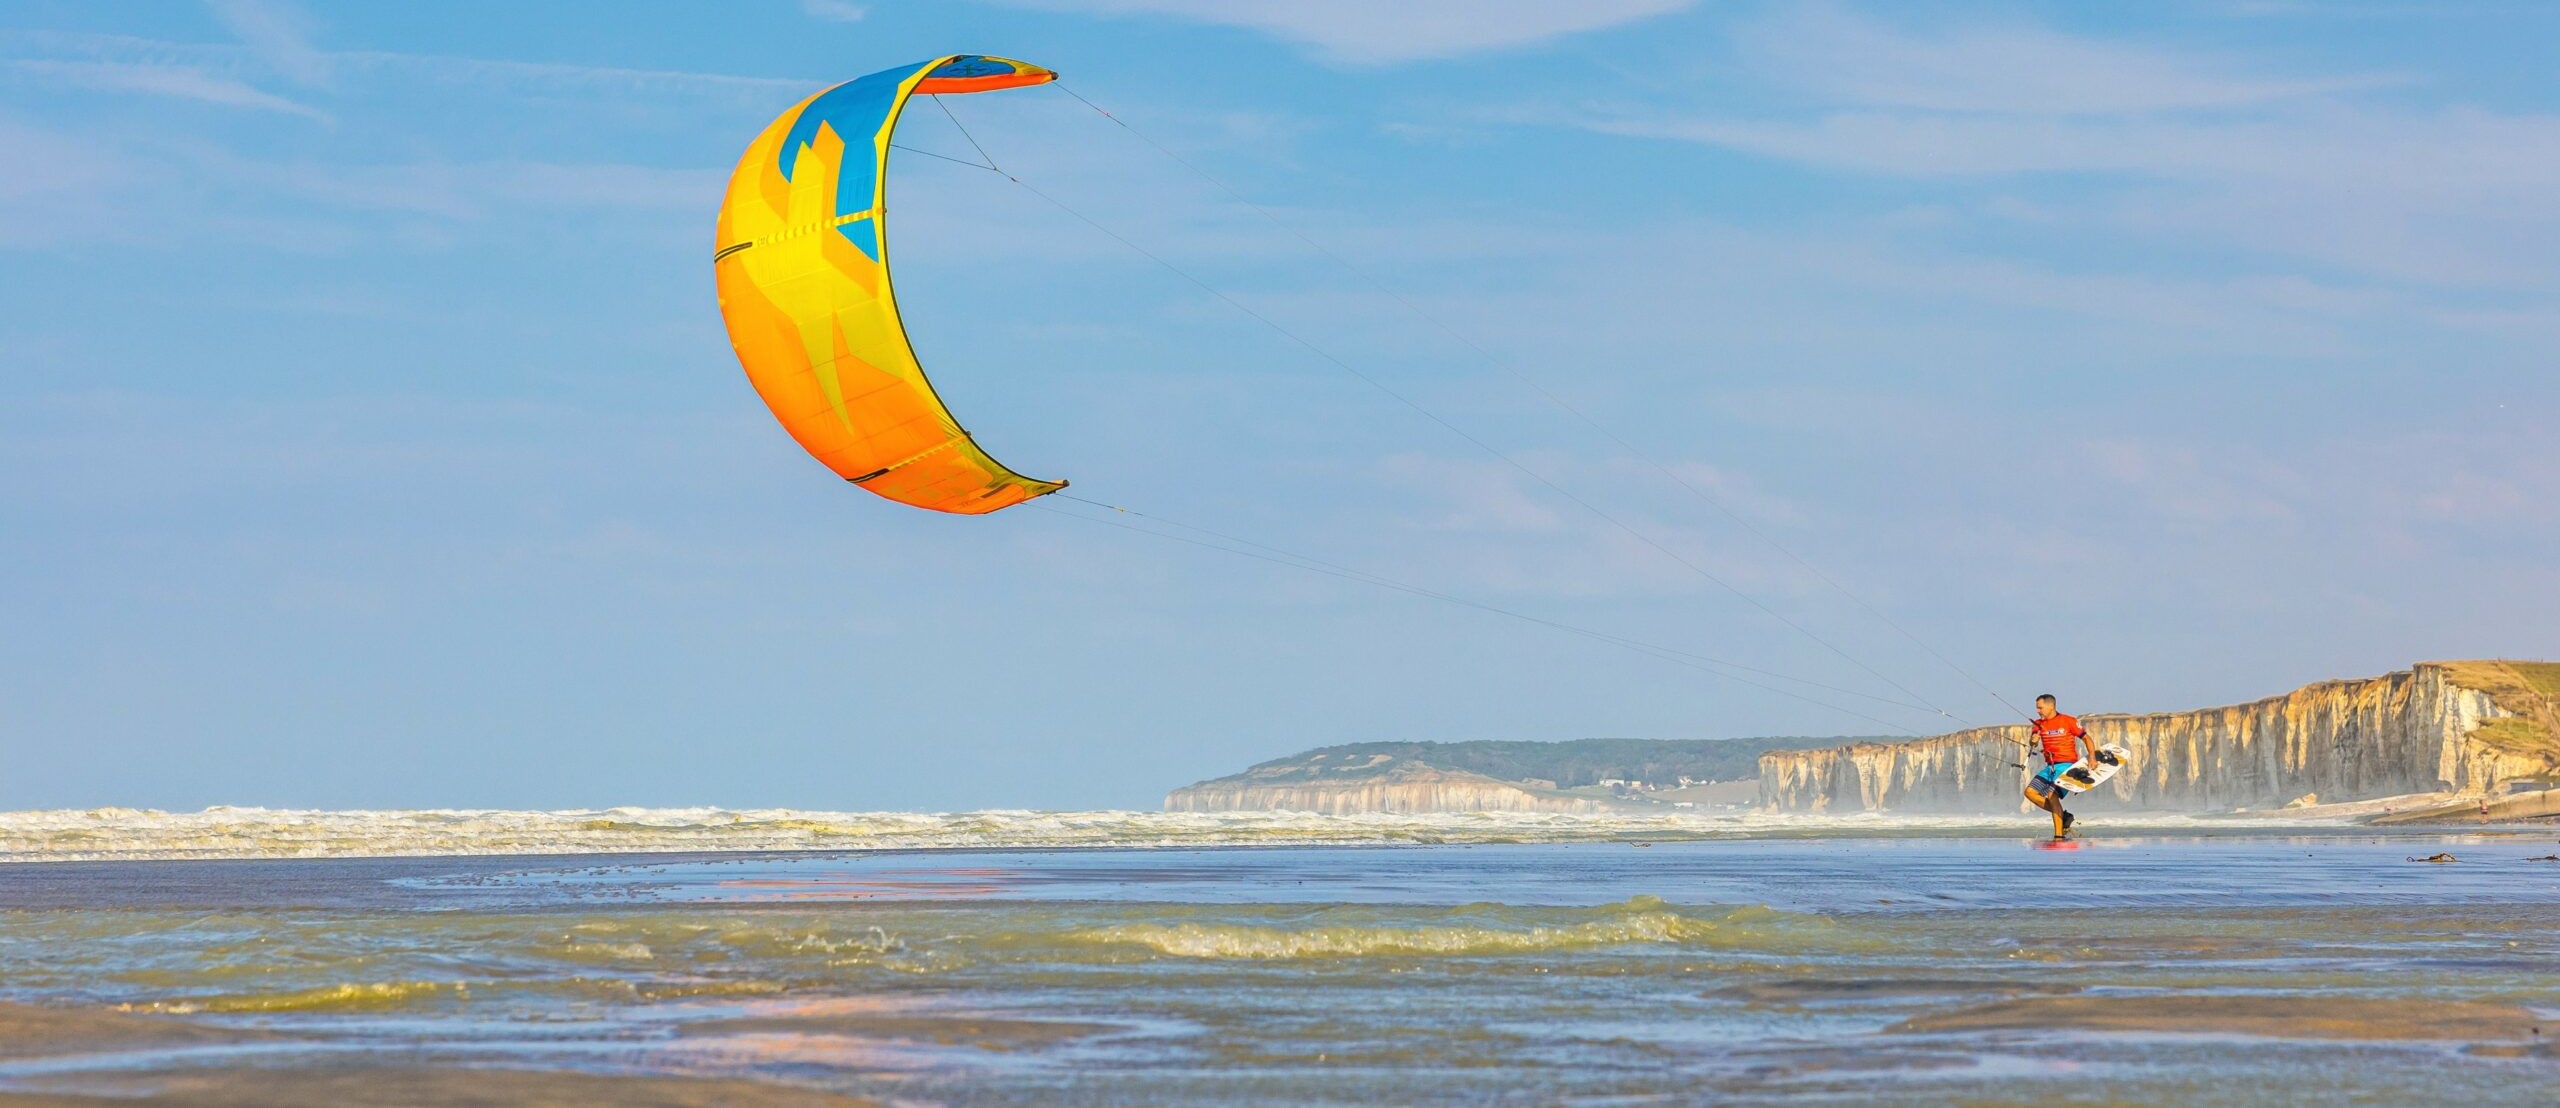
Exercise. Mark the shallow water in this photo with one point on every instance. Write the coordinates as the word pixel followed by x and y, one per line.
pixel 1746 970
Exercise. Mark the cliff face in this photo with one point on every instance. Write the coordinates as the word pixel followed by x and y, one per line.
pixel 1384 785
pixel 2408 732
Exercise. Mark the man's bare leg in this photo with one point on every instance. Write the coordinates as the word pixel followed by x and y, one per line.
pixel 2052 804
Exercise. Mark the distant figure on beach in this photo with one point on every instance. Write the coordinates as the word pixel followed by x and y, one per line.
pixel 2065 744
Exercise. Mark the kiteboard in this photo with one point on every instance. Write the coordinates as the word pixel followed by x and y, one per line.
pixel 2094 772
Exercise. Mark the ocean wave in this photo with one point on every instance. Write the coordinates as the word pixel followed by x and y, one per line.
pixel 1485 930
pixel 390 996
pixel 235 832
pixel 365 996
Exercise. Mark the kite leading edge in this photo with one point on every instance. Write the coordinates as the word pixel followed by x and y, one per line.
pixel 803 268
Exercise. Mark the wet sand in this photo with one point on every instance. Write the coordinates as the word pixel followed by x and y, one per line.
pixel 418 1087
pixel 28 1032
pixel 1817 990
pixel 2208 971
pixel 2273 1017
pixel 984 1033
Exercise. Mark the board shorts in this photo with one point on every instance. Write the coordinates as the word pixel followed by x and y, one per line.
pixel 2049 779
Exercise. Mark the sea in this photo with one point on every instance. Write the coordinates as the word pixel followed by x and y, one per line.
pixel 1060 958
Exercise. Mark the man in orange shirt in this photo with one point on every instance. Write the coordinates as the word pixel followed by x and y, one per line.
pixel 2064 744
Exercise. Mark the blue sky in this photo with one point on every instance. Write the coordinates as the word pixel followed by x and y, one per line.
pixel 374 441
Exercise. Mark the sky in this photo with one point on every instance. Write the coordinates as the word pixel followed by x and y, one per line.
pixel 372 438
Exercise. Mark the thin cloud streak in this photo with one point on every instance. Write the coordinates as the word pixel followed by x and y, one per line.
pixel 159 80
pixel 834 11
pixel 276 34
pixel 2014 70
pixel 2314 170
pixel 1364 32
pixel 234 62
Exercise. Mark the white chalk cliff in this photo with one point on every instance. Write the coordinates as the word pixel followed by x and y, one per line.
pixel 2465 728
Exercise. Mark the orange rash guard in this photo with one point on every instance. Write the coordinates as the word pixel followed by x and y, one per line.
pixel 2057 735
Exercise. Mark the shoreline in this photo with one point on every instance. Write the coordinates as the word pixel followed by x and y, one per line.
pixel 224 834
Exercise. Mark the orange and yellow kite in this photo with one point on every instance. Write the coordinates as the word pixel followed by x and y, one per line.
pixel 803 266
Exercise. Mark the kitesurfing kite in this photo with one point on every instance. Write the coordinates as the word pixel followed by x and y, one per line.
pixel 802 262
pixel 803 266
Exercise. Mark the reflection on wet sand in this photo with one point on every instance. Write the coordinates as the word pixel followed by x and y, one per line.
pixel 362 1086
pixel 1817 990
pixel 119 1058
pixel 2264 1016
pixel 28 1031
pixel 786 1026
pixel 982 1032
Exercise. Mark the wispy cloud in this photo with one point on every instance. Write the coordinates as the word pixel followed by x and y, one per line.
pixel 2406 489
pixel 473 191
pixel 183 82
pixel 203 187
pixel 834 11
pixel 236 63
pixel 64 189
pixel 277 35
pixel 2016 69
pixel 538 76
pixel 2316 168
pixel 272 42
pixel 1485 522
pixel 1366 32
pixel 50 185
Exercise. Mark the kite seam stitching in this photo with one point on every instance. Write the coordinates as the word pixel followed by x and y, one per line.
pixel 803 231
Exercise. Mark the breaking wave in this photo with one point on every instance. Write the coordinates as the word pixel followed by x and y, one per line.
pixel 1479 930
pixel 228 832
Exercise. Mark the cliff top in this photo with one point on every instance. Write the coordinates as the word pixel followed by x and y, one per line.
pixel 2529 689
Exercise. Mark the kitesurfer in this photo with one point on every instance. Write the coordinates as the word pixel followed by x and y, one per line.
pixel 2064 744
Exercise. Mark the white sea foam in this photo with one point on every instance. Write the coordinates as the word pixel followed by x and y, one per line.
pixel 228 832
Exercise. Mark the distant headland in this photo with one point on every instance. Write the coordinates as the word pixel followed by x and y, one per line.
pixel 1582 775
pixel 2438 740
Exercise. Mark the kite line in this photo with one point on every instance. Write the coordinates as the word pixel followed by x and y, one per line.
pixel 1554 400
pixel 1416 406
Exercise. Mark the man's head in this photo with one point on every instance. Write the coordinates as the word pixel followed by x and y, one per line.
pixel 2045 706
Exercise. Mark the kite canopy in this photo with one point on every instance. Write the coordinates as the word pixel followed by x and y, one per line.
pixel 803 269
